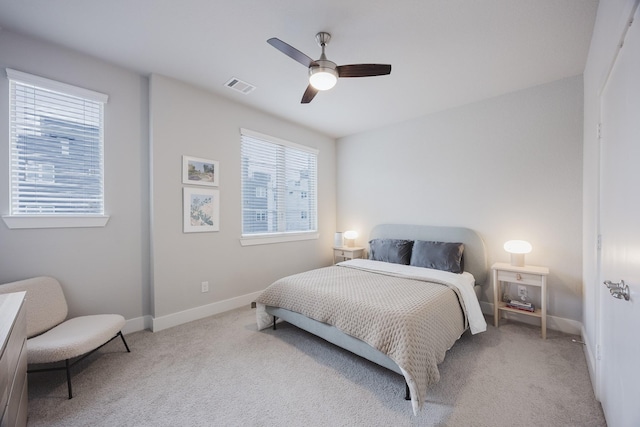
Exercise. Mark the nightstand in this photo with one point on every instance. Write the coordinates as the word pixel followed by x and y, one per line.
pixel 347 253
pixel 528 275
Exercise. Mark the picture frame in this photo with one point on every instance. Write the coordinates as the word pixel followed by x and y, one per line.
pixel 199 171
pixel 201 210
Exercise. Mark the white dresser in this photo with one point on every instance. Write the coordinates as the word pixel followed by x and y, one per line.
pixel 13 360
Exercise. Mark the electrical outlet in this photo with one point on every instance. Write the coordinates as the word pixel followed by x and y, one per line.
pixel 522 291
pixel 205 287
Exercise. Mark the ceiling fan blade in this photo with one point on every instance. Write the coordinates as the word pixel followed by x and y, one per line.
pixel 363 70
pixel 309 94
pixel 290 51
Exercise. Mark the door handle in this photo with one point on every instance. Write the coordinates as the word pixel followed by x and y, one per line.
pixel 609 284
pixel 618 290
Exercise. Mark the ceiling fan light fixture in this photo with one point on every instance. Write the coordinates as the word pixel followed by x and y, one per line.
pixel 323 78
pixel 323 74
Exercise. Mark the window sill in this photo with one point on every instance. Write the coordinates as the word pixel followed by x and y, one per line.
pixel 54 221
pixel 266 239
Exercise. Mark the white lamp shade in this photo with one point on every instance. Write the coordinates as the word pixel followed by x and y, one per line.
pixel 350 237
pixel 350 234
pixel 323 78
pixel 517 249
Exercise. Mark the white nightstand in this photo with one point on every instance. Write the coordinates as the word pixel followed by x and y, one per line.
pixel 528 275
pixel 346 253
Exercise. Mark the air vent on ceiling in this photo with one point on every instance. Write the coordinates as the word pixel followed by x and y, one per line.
pixel 240 86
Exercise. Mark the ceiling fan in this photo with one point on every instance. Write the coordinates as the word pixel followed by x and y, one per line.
pixel 323 74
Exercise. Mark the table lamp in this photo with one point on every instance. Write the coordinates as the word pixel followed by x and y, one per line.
pixel 517 249
pixel 350 238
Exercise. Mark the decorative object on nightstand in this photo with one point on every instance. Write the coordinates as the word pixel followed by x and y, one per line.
pixel 517 249
pixel 527 275
pixel 350 238
pixel 346 253
pixel 337 240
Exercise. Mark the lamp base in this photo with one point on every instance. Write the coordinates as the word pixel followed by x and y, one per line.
pixel 517 260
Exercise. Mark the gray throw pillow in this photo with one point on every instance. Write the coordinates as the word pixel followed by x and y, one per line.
pixel 438 255
pixel 391 250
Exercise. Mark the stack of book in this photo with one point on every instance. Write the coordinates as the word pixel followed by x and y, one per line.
pixel 521 305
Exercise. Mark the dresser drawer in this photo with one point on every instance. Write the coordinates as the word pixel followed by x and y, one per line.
pixel 16 406
pixel 4 385
pixel 13 360
pixel 522 278
pixel 16 341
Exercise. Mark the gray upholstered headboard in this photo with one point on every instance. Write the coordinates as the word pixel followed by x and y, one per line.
pixel 475 255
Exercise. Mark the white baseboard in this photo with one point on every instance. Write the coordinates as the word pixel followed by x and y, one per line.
pixel 137 324
pixel 156 324
pixel 556 323
pixel 590 355
pixel 175 319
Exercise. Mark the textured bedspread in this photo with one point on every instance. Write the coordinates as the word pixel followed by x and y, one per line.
pixel 413 321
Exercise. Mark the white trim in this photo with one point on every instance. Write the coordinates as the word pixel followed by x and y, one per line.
pixel 274 140
pixel 266 239
pixel 137 324
pixel 619 46
pixel 54 221
pixel 175 319
pixel 591 362
pixel 49 84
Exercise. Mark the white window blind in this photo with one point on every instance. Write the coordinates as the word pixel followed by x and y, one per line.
pixel 287 174
pixel 56 153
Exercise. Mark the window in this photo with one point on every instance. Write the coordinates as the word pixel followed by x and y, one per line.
pixel 261 192
pixel 56 152
pixel 284 169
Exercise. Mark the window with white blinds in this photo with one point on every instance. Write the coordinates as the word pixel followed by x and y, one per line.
pixel 279 186
pixel 56 152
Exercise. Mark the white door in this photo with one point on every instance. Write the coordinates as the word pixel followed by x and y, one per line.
pixel 619 320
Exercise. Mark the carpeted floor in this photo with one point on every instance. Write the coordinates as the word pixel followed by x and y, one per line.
pixel 220 371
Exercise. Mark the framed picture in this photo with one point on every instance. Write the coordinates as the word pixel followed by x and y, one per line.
pixel 197 171
pixel 201 210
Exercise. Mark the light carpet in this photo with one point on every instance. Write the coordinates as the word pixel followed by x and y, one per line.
pixel 221 371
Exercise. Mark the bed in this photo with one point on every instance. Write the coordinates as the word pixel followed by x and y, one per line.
pixel 392 309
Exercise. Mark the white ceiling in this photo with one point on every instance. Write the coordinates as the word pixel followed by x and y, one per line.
pixel 444 53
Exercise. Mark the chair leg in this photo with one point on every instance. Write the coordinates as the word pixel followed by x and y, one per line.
pixel 66 362
pixel 125 343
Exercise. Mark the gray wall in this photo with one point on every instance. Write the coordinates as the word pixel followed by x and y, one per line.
pixel 141 264
pixel 186 120
pixel 101 269
pixel 509 167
